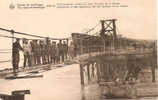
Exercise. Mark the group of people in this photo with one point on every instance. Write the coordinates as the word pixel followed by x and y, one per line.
pixel 38 52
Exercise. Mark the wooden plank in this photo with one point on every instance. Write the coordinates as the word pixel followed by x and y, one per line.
pixel 24 76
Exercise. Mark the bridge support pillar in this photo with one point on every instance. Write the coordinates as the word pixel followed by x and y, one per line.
pixel 82 74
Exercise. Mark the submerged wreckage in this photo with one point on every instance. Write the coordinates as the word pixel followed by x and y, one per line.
pixel 120 72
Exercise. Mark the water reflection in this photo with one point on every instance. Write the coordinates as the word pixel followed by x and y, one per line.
pixel 58 84
pixel 91 92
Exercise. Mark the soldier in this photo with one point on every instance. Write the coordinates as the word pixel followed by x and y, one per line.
pixel 48 47
pixel 57 57
pixel 38 54
pixel 32 53
pixel 65 49
pixel 61 52
pixel 42 51
pixel 53 52
pixel 34 50
pixel 15 55
pixel 27 52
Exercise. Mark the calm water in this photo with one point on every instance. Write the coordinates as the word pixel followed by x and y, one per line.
pixel 58 84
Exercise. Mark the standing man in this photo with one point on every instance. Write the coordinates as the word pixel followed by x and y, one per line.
pixel 15 55
pixel 27 53
pixel 61 52
pixel 57 57
pixel 48 53
pixel 65 49
pixel 53 52
pixel 32 53
pixel 42 51
pixel 38 51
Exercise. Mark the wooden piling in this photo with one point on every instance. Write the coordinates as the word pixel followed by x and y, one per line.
pixel 88 72
pixel 81 74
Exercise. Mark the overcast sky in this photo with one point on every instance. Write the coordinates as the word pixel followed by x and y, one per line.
pixel 138 20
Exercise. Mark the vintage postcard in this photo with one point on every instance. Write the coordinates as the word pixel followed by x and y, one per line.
pixel 78 49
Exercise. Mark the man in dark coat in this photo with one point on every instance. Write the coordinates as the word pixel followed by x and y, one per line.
pixel 42 52
pixel 48 53
pixel 15 55
pixel 61 51
pixel 65 49
pixel 36 52
pixel 53 52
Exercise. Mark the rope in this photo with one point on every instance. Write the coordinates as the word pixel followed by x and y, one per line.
pixel 93 28
pixel 16 37
pixel 37 36
pixel 7 36
pixel 89 36
pixel 5 61
pixel 5 49
pixel 21 33
pixel 5 52
pixel 49 38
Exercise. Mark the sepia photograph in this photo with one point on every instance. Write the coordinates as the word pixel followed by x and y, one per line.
pixel 78 50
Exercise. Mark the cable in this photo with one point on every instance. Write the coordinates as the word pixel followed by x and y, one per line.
pixel 7 36
pixel 5 52
pixel 5 49
pixel 5 61
pixel 92 28
pixel 89 36
pixel 16 37
pixel 21 33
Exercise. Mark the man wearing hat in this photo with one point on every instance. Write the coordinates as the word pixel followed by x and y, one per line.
pixel 15 55
pixel 61 51
pixel 48 50
pixel 27 53
pixel 36 52
pixel 42 52
pixel 65 49
pixel 54 54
